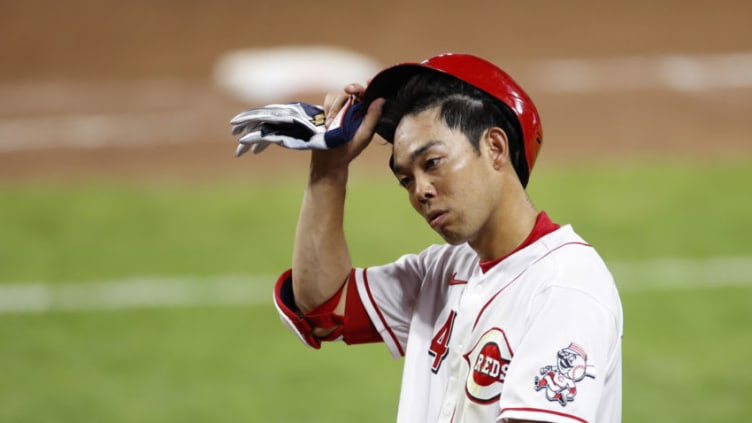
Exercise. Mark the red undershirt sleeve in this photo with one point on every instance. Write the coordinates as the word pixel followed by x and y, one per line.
pixel 354 328
pixel 358 327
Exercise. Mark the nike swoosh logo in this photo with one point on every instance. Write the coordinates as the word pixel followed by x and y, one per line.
pixel 454 281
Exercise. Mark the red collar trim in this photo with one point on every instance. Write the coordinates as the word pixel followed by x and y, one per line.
pixel 543 226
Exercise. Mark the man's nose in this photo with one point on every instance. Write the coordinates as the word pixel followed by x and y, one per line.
pixel 424 189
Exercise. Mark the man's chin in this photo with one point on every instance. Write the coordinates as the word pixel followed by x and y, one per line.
pixel 452 238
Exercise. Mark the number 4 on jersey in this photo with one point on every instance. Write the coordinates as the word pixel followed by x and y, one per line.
pixel 440 343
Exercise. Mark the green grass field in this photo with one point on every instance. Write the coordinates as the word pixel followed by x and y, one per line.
pixel 685 347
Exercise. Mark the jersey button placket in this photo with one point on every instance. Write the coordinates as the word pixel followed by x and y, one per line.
pixel 447 410
pixel 454 366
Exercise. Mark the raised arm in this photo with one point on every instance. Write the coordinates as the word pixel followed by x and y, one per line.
pixel 321 260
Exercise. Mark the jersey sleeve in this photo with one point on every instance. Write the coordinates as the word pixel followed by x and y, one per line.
pixel 380 302
pixel 378 306
pixel 568 362
pixel 388 294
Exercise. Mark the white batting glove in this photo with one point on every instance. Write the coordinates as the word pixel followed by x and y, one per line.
pixel 297 126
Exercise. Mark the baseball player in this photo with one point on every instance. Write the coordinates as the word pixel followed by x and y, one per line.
pixel 515 318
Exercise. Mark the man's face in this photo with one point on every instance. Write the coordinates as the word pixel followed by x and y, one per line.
pixel 446 178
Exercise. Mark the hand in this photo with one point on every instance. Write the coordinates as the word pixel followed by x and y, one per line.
pixel 297 125
pixel 333 105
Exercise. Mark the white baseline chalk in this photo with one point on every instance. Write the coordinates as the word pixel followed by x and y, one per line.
pixel 251 290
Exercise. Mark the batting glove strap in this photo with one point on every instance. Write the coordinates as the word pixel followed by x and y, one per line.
pixel 302 324
pixel 296 126
pixel 345 124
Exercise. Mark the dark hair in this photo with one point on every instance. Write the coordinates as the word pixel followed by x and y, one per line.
pixel 462 107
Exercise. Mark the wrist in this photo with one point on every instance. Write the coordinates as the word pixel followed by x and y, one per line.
pixel 324 168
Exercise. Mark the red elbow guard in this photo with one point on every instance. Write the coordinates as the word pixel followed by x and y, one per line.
pixel 302 324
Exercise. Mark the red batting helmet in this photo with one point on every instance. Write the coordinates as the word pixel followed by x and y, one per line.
pixel 482 75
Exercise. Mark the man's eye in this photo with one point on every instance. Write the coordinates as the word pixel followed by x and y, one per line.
pixel 430 163
pixel 404 182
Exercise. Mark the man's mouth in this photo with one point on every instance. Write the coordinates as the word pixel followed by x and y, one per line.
pixel 435 218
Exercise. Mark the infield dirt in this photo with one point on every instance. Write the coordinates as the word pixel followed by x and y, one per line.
pixel 86 57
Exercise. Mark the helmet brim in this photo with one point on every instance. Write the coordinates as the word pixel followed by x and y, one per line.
pixel 386 84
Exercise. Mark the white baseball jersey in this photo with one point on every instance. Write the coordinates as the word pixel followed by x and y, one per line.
pixel 536 337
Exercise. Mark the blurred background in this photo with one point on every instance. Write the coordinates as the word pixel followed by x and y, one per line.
pixel 137 254
pixel 139 76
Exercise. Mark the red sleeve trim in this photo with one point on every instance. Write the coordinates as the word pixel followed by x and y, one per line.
pixel 358 327
pixel 539 410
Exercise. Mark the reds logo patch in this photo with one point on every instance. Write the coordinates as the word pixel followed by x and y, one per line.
pixel 560 381
pixel 489 361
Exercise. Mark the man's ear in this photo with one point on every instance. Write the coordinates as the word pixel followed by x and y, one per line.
pixel 497 143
